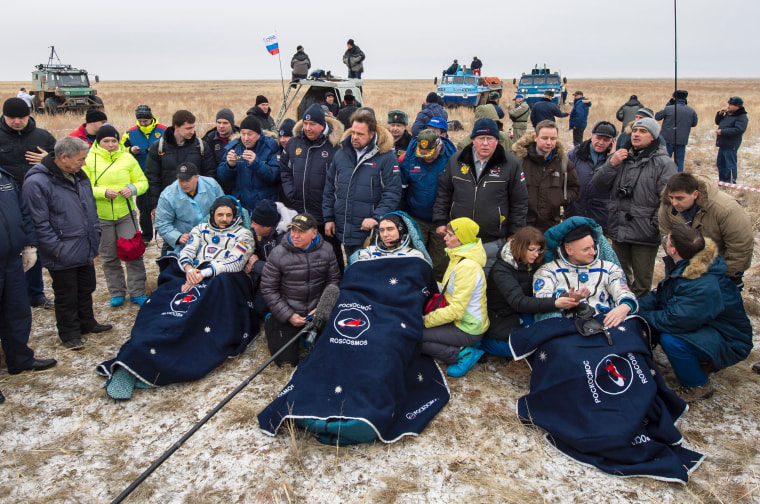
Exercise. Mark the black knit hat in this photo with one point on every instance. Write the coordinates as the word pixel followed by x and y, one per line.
pixel 15 107
pixel 578 233
pixel 286 128
pixel 261 99
pixel 95 115
pixel 485 126
pixel 226 114
pixel 265 214
pixel 143 112
pixel 106 131
pixel 251 123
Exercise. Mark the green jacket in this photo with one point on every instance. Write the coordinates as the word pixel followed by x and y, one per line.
pixel 113 170
pixel 466 291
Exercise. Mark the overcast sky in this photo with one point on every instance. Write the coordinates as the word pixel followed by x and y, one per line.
pixel 199 40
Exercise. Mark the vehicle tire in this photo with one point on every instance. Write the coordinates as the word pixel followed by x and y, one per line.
pixel 99 101
pixel 51 106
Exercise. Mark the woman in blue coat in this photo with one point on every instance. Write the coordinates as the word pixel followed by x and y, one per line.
pixel 697 312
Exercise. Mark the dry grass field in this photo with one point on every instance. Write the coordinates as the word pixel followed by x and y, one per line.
pixel 62 440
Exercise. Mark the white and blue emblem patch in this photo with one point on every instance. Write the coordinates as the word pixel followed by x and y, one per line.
pixel 538 285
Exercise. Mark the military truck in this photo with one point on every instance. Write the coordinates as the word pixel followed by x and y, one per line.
pixel 62 88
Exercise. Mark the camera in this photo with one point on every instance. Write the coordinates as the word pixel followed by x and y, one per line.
pixel 624 192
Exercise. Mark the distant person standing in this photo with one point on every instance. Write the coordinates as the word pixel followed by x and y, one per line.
pixel 493 99
pixel 430 109
pixel 300 63
pixel 138 140
pixel 519 114
pixel 29 99
pixel 627 111
pixel 676 135
pixel 353 58
pixel 452 68
pixel 732 123
pixel 579 117
pixel 262 112
pixel 545 110
pixel 476 65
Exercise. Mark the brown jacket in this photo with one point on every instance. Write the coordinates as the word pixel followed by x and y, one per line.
pixel 721 218
pixel 548 187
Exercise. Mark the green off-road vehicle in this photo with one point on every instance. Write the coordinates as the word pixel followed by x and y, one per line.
pixel 62 88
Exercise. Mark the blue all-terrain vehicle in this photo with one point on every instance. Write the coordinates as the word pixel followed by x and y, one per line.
pixel 533 85
pixel 466 89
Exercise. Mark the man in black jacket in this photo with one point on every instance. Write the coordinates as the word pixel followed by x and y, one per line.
pixel 17 254
pixel 545 110
pixel 732 123
pixel 486 184
pixel 23 145
pixel 178 145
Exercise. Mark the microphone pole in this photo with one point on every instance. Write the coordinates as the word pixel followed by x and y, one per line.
pixel 329 297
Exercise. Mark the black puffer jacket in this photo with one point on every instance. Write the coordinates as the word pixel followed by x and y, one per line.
pixel 510 292
pixel 294 279
pixel 591 202
pixel 16 227
pixel 14 144
pixel 161 168
pixel 304 164
pixel 634 219
pixel 265 118
pixel 732 128
pixel 497 201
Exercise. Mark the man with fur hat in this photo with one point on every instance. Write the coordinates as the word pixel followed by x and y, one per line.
pixel 304 163
pixel 431 108
pixel 697 312
pixel 696 201
pixel 424 162
pixel 138 140
pixel 486 183
pixel 588 157
pixel 23 145
pixel 576 269
pixel 362 182
pixel 398 120
pixel 732 123
pixel 549 176
pixel 250 165
pixel 677 134
pixel 94 119
pixel 634 177
pixel 262 112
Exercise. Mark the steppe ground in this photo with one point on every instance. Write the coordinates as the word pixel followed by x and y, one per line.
pixel 64 440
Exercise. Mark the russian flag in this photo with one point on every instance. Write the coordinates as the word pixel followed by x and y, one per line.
pixel 271 42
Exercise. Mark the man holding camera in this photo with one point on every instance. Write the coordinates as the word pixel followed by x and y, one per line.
pixel 635 177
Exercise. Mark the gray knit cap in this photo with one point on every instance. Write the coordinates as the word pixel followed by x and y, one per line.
pixel 226 113
pixel 649 124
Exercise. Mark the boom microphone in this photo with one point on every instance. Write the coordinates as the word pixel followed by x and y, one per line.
pixel 325 306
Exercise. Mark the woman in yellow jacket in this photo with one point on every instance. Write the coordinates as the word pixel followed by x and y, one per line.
pixel 453 333
pixel 116 176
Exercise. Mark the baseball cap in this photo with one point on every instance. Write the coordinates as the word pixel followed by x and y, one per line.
pixel 304 222
pixel 427 141
pixel 438 122
pixel 186 171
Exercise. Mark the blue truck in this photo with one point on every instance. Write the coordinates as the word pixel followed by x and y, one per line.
pixel 533 85
pixel 466 89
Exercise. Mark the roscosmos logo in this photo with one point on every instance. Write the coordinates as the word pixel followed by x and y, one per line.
pixel 351 323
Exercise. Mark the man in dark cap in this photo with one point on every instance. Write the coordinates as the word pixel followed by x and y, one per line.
pixel 219 137
pixel 578 271
pixel 262 112
pixel 732 123
pixel 304 163
pixel 500 209
pixel 452 69
pixel 300 64
pixel 93 120
pixel 285 133
pixel 348 109
pixel 23 145
pixel 264 221
pixel 676 133
pixel 431 108
pixel 476 65
pixel 354 58
pixel 138 139
pixel 398 120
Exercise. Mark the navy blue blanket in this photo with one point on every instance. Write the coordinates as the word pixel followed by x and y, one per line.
pixel 603 405
pixel 181 336
pixel 365 370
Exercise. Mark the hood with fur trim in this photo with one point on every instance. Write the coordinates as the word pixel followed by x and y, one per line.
pixel 701 263
pixel 384 140
pixel 336 130
pixel 525 147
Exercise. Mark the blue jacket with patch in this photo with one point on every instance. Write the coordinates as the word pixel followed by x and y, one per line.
pixel 135 136
pixel 16 227
pixel 420 179
pixel 253 182
pixel 579 114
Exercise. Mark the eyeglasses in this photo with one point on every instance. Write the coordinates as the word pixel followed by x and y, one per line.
pixel 535 250
pixel 485 139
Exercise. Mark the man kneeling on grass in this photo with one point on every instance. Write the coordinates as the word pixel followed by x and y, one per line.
pixel 698 312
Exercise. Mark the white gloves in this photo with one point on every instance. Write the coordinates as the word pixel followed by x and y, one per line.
pixel 28 257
